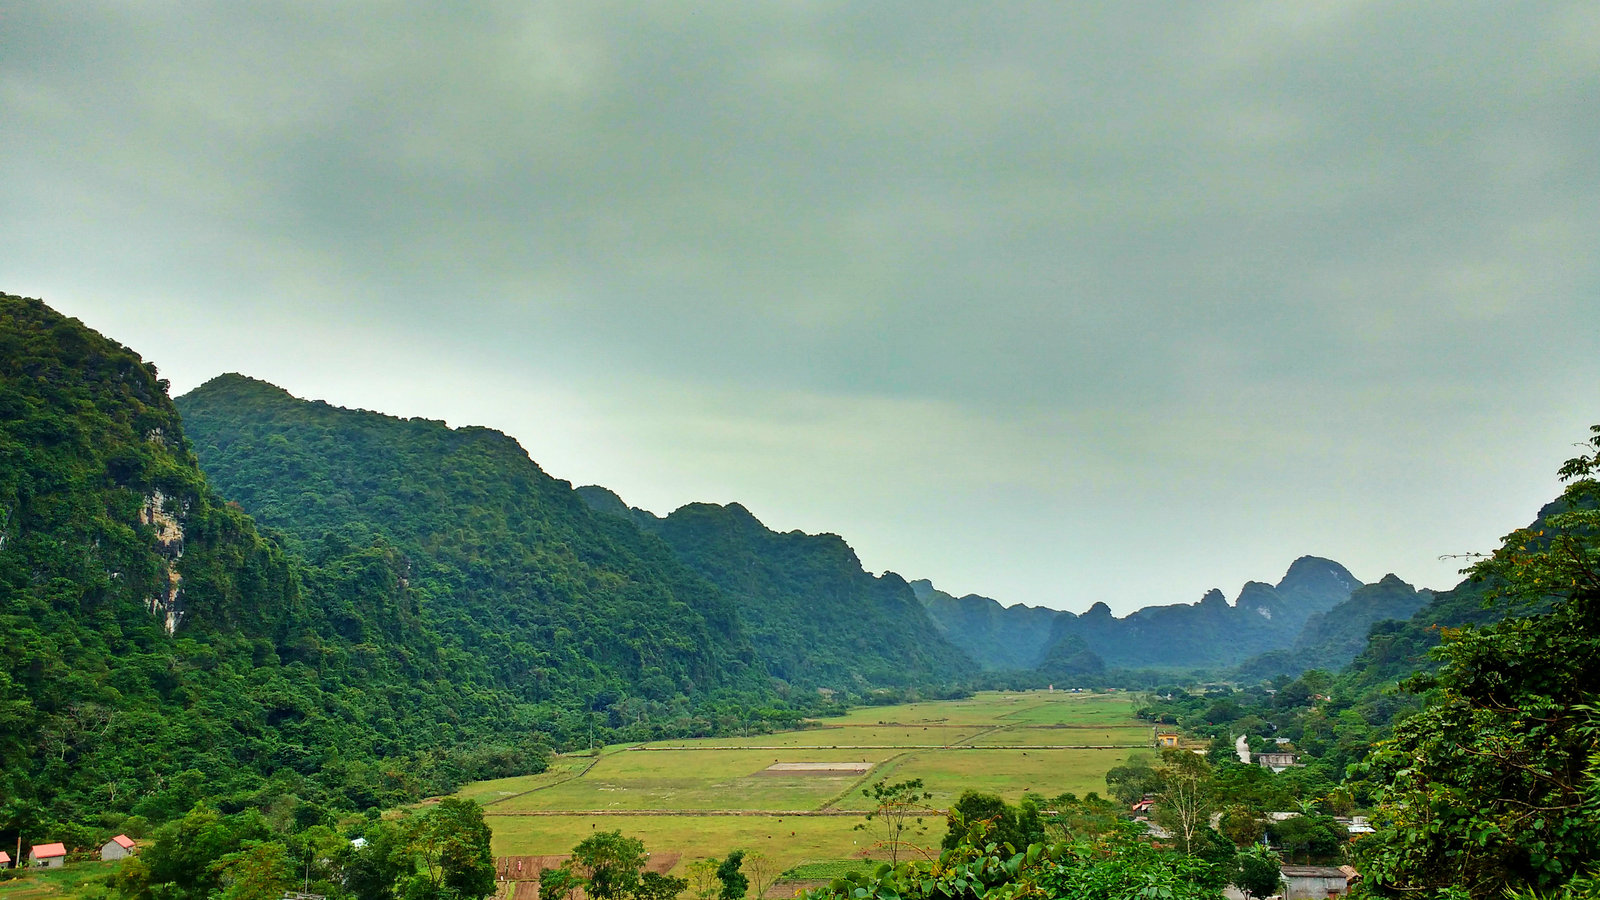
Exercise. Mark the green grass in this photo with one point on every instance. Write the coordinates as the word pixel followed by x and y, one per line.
pixel 1008 773
pixel 696 780
pixel 1070 735
pixel 56 884
pixel 561 769
pixel 1086 709
pixel 834 735
pixel 985 709
pixel 831 868
pixel 547 813
pixel 786 840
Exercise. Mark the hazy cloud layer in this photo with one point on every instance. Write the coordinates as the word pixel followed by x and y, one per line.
pixel 1058 303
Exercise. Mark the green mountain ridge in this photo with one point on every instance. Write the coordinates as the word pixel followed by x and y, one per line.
pixel 1396 649
pixel 1211 633
pixel 997 637
pixel 816 617
pixel 555 604
pixel 1316 616
pixel 156 647
pixel 1331 640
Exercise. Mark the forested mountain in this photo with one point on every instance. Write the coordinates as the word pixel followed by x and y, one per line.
pixel 1396 649
pixel 996 637
pixel 560 606
pixel 1316 616
pixel 1330 640
pixel 156 648
pixel 1212 633
pixel 816 618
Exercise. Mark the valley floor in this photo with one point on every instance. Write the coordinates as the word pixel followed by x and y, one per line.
pixel 703 798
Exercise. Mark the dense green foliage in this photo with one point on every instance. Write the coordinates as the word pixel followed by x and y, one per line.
pixel 442 854
pixel 155 649
pixel 1116 864
pixel 734 882
pixel 817 619
pixel 609 866
pixel 1496 784
pixel 1256 872
pixel 502 570
pixel 978 819
pixel 997 637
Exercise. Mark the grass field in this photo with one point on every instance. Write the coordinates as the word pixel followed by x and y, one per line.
pixel 836 735
pixel 50 884
pixel 705 797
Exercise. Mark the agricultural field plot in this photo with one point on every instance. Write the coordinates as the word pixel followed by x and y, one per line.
pixel 1073 709
pixel 1008 773
pixel 986 709
pixel 561 769
pixel 697 780
pixel 702 798
pixel 786 840
pixel 832 735
pixel 1065 735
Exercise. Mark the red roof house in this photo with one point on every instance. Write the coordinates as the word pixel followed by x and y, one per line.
pixel 117 848
pixel 49 856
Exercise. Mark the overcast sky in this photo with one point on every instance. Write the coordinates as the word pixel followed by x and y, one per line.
pixel 1054 302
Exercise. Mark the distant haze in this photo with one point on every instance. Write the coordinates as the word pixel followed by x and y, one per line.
pixel 1051 302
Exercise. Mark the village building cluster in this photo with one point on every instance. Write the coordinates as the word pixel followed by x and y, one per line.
pixel 53 855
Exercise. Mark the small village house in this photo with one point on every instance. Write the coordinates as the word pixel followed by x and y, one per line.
pixel 5 859
pixel 1308 882
pixel 117 848
pixel 1277 761
pixel 1167 739
pixel 48 856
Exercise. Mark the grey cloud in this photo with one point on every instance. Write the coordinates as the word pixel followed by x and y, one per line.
pixel 1256 236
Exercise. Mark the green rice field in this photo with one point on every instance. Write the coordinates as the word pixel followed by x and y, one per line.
pixel 702 798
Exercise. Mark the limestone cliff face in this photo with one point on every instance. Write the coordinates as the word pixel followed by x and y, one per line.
pixel 104 514
pixel 162 514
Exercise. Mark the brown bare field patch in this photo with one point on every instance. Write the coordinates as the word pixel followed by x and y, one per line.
pixel 823 769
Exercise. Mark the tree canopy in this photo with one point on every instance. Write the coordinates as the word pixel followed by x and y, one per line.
pixel 1495 786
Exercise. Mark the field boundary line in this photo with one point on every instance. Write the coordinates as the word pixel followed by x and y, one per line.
pixel 880 772
pixel 966 740
pixel 957 746
pixel 592 763
pixel 675 813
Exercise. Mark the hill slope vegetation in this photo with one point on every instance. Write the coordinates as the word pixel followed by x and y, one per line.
pixel 546 599
pixel 156 648
pixel 815 616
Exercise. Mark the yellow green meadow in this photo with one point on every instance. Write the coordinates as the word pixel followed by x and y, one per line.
pixel 702 798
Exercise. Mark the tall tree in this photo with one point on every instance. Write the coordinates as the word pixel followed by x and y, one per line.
pixel 1257 872
pixel 898 810
pixel 611 862
pixel 734 882
pixel 1495 786
pixel 762 871
pixel 1184 796
pixel 259 871
pixel 453 840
